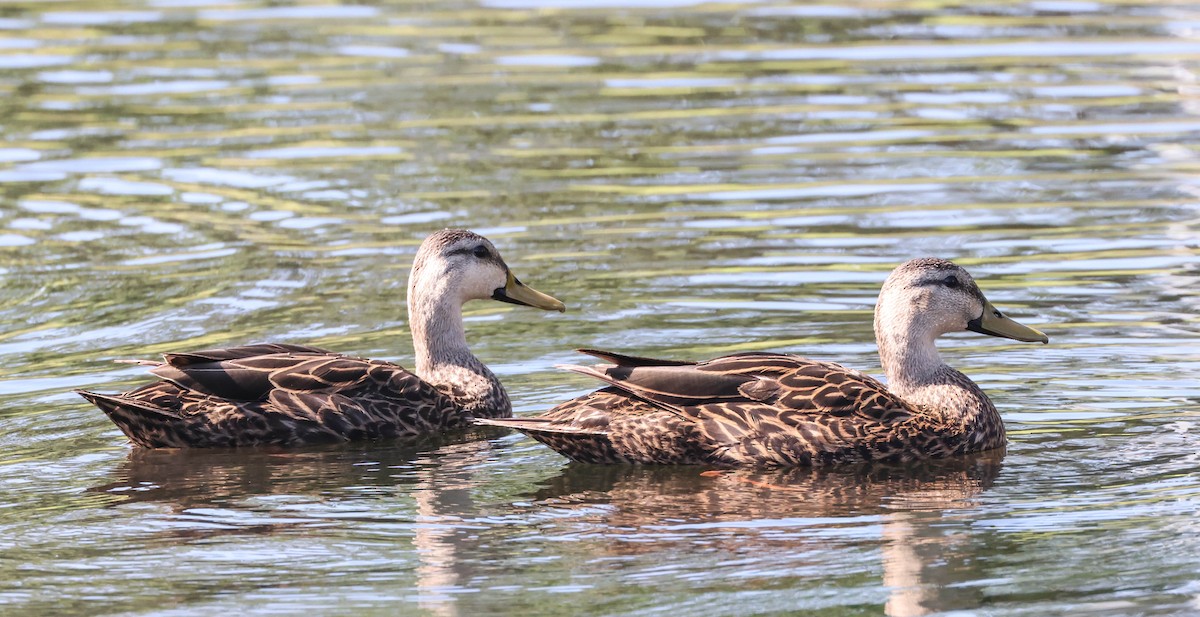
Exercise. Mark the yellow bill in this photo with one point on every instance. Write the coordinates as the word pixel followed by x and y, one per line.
pixel 516 292
pixel 992 322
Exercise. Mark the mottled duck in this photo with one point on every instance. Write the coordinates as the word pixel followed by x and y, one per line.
pixel 290 395
pixel 765 409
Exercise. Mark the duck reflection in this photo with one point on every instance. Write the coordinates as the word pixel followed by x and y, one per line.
pixel 192 478
pixel 725 508
pixel 442 494
pixel 647 493
pixel 228 486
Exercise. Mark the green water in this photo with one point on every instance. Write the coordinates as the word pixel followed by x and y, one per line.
pixel 691 179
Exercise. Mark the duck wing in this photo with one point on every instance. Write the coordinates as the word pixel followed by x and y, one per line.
pixel 249 376
pixel 181 359
pixel 275 394
pixel 748 408
pixel 674 386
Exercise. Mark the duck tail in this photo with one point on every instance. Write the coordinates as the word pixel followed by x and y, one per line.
pixel 578 444
pixel 139 420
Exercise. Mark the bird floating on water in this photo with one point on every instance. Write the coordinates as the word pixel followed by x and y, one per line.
pixel 781 409
pixel 290 395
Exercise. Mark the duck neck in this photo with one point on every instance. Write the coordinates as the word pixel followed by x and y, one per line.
pixel 443 359
pixel 916 373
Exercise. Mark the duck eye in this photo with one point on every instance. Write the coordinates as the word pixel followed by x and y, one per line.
pixel 481 252
pixel 951 282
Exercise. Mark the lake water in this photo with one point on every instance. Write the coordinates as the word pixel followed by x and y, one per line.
pixel 691 179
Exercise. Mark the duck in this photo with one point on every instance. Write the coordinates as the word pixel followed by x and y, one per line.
pixel 290 395
pixel 774 409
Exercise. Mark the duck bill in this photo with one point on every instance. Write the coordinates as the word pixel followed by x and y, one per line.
pixel 516 292
pixel 993 323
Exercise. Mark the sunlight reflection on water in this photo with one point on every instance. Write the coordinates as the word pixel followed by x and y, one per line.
pixel 691 178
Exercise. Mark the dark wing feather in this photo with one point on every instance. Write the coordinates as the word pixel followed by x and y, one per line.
pixel 245 379
pixel 244 351
pixel 253 378
pixel 322 373
pixel 288 395
pixel 749 408
pixel 741 377
pixel 812 412
pixel 237 373
pixel 625 360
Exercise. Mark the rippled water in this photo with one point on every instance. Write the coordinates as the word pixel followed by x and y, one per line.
pixel 692 179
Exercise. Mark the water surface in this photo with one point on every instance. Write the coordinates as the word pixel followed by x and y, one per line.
pixel 692 179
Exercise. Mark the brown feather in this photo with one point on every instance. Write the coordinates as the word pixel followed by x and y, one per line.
pixel 276 394
pixel 743 409
pixel 778 409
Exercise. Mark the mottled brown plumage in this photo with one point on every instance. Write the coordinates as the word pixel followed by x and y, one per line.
pixel 293 394
pixel 780 409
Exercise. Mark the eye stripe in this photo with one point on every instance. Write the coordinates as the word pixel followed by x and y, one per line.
pixel 942 282
pixel 469 251
pixel 492 257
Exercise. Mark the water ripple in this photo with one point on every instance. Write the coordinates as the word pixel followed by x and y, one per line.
pixel 692 178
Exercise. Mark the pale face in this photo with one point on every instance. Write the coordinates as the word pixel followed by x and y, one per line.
pixel 948 298
pixel 459 264
pixel 475 267
pixel 934 296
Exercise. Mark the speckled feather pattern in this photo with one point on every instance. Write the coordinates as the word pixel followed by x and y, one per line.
pixel 749 409
pixel 277 394
pixel 766 409
pixel 292 394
